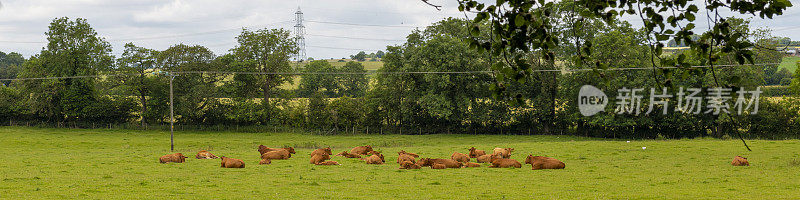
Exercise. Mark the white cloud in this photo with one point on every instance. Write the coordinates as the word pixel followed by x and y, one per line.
pixel 27 20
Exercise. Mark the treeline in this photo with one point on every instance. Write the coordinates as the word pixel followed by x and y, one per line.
pixel 134 87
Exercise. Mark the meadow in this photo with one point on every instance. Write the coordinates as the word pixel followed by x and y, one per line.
pixel 123 164
pixel 790 63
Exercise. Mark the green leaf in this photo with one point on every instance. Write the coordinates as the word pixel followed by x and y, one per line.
pixel 519 20
pixel 690 17
pixel 475 31
pixel 692 8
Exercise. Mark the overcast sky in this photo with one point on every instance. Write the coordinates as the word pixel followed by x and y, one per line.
pixel 334 28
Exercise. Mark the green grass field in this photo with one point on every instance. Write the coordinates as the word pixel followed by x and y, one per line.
pixel 368 65
pixel 790 63
pixel 123 164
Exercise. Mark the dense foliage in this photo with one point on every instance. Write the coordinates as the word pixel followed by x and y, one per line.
pixel 265 90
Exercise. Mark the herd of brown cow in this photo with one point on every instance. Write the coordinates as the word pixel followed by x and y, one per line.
pixel 500 158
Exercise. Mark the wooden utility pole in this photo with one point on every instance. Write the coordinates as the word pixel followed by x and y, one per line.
pixel 171 114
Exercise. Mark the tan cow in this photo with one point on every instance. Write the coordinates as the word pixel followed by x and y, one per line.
pixel 405 157
pixel 231 163
pixel 474 153
pixel 469 164
pixel 438 166
pixel 361 150
pixel 348 155
pixel 541 162
pixel 499 162
pixel 175 157
pixel 205 155
pixel 486 158
pixel 316 159
pixel 409 165
pixel 506 152
pixel 265 162
pixel 376 159
pixel 326 151
pixel 277 155
pixel 449 163
pixel 740 161
pixel 264 149
pixel 460 157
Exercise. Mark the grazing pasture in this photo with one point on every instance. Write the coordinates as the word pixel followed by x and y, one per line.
pixel 790 63
pixel 122 164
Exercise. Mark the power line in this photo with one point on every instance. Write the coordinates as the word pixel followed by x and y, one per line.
pixel 199 33
pixel 368 72
pixel 21 42
pixel 166 36
pixel 324 47
pixel 70 77
pixel 176 36
pixel 355 38
pixel 354 24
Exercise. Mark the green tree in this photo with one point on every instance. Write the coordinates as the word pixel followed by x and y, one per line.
pixel 10 105
pixel 782 77
pixel 73 49
pixel 360 56
pixel 265 51
pixel 312 81
pixel 9 64
pixel 433 100
pixel 525 26
pixel 141 61
pixel 379 54
pixel 318 114
pixel 193 92
pixel 353 81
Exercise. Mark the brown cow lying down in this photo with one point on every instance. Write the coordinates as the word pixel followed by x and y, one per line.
pixel 409 165
pixel 175 157
pixel 541 162
pixel 205 155
pixel 506 152
pixel 474 153
pixel 277 155
pixel 264 149
pixel 438 166
pixel 231 163
pixel 265 162
pixel 361 150
pixel 499 162
pixel 375 159
pixel 348 155
pixel 449 163
pixel 316 159
pixel 740 161
pixel 330 162
pixel 469 164
pixel 410 154
pixel 460 157
pixel 326 151
pixel 486 158
pixel 405 157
